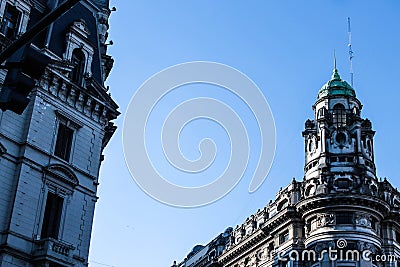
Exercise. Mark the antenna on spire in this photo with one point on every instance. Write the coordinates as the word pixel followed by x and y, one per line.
pixel 350 51
pixel 334 59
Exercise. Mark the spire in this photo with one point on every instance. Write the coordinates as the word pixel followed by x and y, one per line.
pixel 335 75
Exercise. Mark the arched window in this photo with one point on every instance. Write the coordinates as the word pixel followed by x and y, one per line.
pixel 78 63
pixel 339 115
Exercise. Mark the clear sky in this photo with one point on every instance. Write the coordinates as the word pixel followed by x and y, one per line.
pixel 286 48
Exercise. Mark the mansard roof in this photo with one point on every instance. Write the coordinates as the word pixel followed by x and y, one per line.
pixel 102 3
pixel 57 42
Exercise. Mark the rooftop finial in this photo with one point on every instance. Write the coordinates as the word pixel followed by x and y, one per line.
pixel 335 75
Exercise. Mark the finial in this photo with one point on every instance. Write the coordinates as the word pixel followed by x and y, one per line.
pixel 335 75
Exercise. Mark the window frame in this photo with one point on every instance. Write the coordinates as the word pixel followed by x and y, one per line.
pixel 53 229
pixel 4 29
pixel 62 181
pixel 69 126
pixel 77 37
pixel 49 186
pixel 339 115
pixel 72 123
pixel 344 217
pixel 283 237
pixel 78 61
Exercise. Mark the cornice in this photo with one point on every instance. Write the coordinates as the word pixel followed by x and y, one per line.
pixel 341 200
pixel 90 101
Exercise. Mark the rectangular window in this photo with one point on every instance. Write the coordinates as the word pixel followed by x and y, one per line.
pixel 9 25
pixel 64 142
pixel 52 216
pixel 343 183
pixel 344 218
pixel 283 237
pixel 339 115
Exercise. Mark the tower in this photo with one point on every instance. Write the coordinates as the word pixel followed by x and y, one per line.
pixel 341 198
pixel 339 154
pixel 339 215
pixel 50 155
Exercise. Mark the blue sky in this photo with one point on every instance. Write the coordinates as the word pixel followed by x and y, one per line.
pixel 286 48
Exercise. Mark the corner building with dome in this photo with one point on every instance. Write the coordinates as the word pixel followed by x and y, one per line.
pixel 340 215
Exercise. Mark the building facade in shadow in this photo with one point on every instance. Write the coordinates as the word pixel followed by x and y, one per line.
pixel 50 155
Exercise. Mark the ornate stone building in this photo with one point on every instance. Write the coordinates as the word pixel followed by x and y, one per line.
pixel 207 256
pixel 50 155
pixel 341 214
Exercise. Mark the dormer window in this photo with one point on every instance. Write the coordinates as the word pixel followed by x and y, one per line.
pixel 78 63
pixel 79 52
pixel 9 25
pixel 339 115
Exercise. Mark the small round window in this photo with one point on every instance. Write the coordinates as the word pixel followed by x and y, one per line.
pixel 341 138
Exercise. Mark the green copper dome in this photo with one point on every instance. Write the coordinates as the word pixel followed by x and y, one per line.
pixel 336 86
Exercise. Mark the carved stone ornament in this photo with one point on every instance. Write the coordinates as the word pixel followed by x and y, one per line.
pixel 326 219
pixel 363 219
pixel 252 261
pixel 242 263
pixel 362 246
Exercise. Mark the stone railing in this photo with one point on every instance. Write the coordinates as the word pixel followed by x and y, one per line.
pixel 53 248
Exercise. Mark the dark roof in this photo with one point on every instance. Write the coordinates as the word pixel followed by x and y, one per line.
pixel 102 3
pixel 61 26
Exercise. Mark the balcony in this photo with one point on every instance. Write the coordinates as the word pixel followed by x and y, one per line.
pixel 51 249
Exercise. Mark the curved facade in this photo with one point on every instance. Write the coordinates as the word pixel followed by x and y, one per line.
pixel 341 214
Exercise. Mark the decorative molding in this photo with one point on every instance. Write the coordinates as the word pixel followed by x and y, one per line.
pixel 362 246
pixel 77 38
pixel 65 116
pixel 92 102
pixel 62 174
pixel 326 219
pixel 362 219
